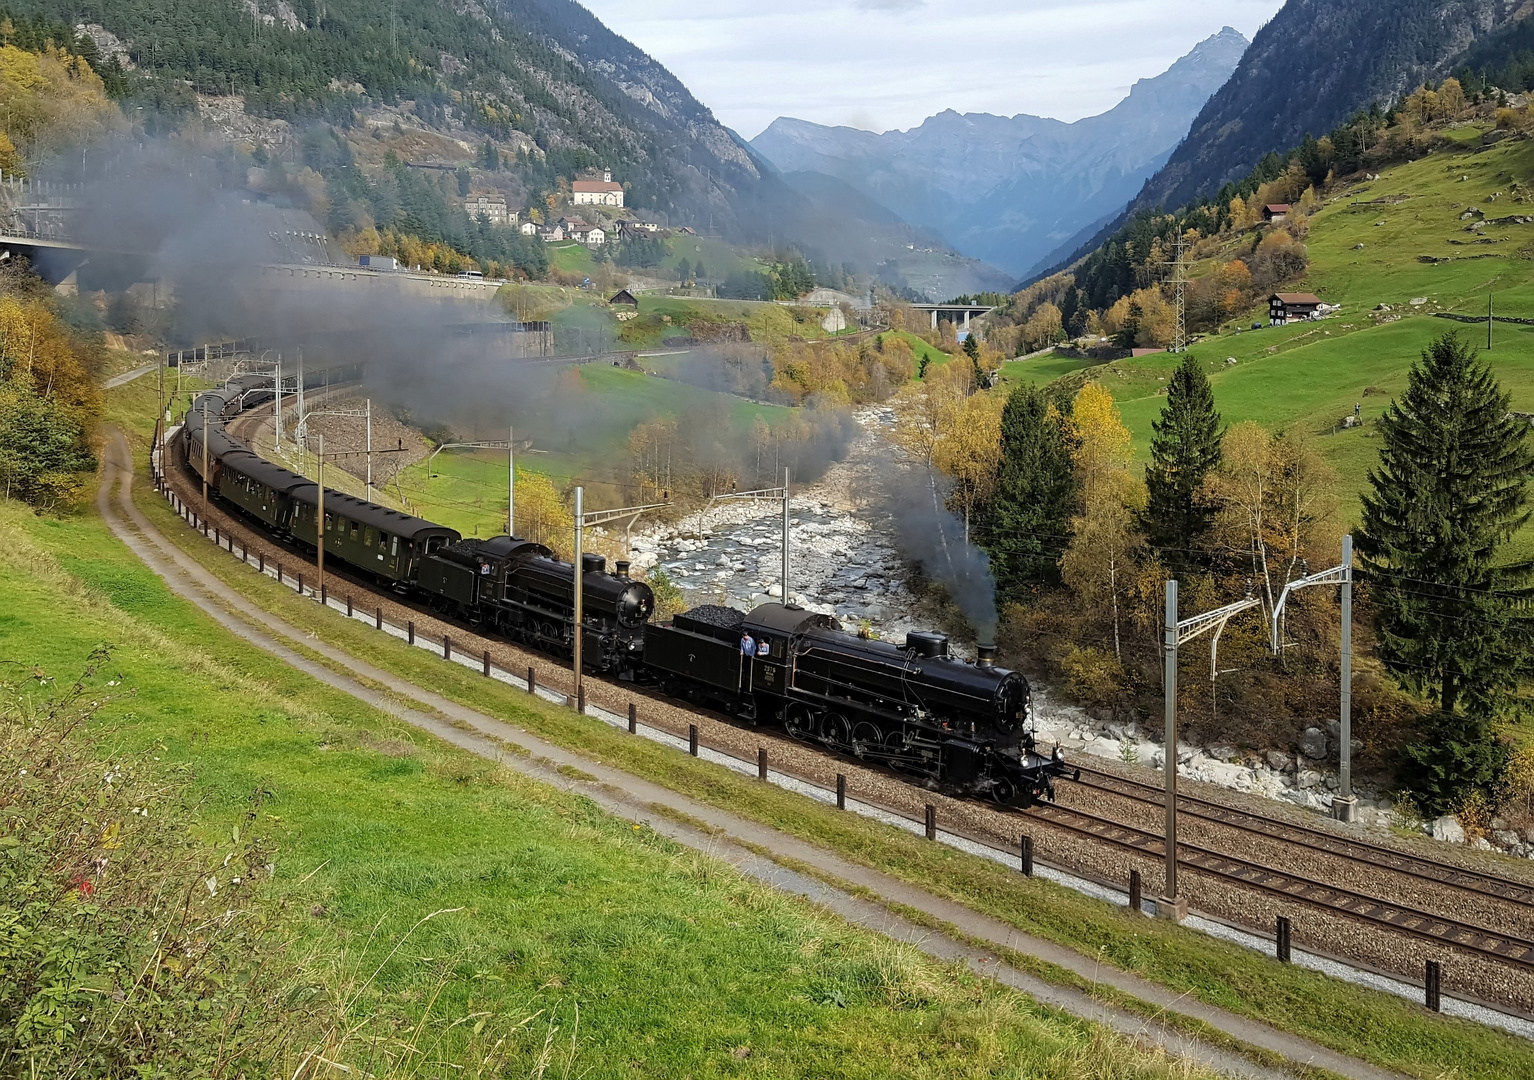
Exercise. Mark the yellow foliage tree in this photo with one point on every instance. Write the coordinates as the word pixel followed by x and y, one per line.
pixel 1099 565
pixel 51 100
pixel 970 452
pixel 542 516
pixel 1103 444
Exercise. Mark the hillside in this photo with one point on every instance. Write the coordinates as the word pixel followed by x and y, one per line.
pixel 1311 67
pixel 1392 252
pixel 545 79
pixel 1011 190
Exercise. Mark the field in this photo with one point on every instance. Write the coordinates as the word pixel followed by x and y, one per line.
pixel 467 486
pixel 1381 1029
pixel 1311 375
pixel 593 945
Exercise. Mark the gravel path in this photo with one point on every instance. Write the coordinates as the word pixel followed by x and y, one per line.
pixel 1314 929
pixel 633 798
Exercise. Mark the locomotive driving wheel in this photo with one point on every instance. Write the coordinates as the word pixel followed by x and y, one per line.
pixel 866 736
pixel 1003 791
pixel 799 722
pixel 837 730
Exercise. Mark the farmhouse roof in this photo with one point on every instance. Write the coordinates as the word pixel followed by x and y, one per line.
pixel 624 298
pixel 1296 299
pixel 1278 208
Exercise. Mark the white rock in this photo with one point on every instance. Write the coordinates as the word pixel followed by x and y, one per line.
pixel 1307 779
pixel 1276 761
pixel 1449 830
pixel 1482 844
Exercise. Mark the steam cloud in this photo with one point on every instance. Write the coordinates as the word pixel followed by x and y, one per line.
pixel 933 538
pixel 163 211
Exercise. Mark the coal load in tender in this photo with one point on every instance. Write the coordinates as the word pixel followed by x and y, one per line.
pixel 725 618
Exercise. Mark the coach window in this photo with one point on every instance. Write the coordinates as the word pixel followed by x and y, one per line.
pixel 393 545
pixel 329 523
pixel 354 530
pixel 367 536
pixel 383 540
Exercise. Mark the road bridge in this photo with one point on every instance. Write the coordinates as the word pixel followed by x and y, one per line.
pixel 954 312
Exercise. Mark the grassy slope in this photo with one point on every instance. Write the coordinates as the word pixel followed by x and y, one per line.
pixel 1311 375
pixel 1382 1029
pixel 673 962
pixel 469 487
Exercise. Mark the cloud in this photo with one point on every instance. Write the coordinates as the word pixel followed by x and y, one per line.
pixel 894 6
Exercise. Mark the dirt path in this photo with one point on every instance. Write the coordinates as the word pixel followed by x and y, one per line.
pixel 634 799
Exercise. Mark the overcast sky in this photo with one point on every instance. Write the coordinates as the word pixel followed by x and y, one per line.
pixel 881 64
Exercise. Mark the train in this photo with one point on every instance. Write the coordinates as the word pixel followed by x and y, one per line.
pixel 955 725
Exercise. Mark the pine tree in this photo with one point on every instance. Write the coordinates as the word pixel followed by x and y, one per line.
pixel 1026 524
pixel 1448 492
pixel 1184 449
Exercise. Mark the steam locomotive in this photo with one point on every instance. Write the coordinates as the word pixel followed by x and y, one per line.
pixel 957 725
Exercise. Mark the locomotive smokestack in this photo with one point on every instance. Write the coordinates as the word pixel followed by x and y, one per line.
pixel 621 568
pixel 986 657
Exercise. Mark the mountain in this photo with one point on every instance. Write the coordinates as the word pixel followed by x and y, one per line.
pixel 1011 190
pixel 1311 67
pixel 543 78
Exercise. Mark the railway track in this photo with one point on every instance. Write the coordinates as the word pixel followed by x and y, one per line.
pixel 1504 949
pixel 1442 931
pixel 1318 840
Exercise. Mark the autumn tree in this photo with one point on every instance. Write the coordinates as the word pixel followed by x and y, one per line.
pixel 969 452
pixel 1184 450
pixel 1100 562
pixel 49 405
pixel 542 515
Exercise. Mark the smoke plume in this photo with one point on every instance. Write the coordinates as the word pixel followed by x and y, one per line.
pixel 932 536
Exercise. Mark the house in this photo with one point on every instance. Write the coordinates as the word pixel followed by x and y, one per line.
pixel 630 229
pixel 553 235
pixel 1289 307
pixel 624 298
pixel 491 207
pixel 595 237
pixel 1274 213
pixel 591 192
pixel 529 228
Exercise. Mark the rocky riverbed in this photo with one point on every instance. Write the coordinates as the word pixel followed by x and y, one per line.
pixel 846 560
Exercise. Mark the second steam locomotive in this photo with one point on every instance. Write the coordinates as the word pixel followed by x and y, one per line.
pixel 961 726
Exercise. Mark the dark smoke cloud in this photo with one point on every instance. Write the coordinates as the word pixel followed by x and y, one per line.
pixel 168 212
pixel 933 538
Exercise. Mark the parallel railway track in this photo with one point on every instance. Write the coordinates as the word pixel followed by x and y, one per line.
pixel 1476 939
pixel 1319 840
pixel 1470 938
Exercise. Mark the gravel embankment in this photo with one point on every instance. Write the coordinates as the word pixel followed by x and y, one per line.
pixel 1314 929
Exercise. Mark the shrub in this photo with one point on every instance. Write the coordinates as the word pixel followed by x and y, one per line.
pixel 1454 759
pixel 1092 674
pixel 125 946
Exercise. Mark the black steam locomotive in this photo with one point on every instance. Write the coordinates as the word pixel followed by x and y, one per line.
pixel 958 725
pixel 961 726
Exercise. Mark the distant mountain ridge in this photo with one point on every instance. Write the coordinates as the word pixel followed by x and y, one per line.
pixel 1311 67
pixel 1013 190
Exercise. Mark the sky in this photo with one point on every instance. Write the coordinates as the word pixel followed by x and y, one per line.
pixel 883 64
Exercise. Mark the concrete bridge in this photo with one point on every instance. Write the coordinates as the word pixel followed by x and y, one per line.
pixel 954 312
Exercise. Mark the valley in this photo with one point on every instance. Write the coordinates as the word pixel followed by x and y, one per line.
pixel 506 576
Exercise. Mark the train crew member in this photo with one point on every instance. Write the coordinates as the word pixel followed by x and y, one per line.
pixel 747 644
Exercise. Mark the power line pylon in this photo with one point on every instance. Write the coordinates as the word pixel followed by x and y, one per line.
pixel 1179 282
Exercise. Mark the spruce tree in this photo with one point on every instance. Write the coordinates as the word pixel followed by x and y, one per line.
pixel 1447 494
pixel 1027 523
pixel 1185 447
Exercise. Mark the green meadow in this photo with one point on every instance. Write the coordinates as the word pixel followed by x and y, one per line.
pixel 1311 375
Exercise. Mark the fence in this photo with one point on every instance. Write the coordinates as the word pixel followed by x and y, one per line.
pixel 1023 856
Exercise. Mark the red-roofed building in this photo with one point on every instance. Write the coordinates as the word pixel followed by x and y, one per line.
pixel 601 192
pixel 1275 212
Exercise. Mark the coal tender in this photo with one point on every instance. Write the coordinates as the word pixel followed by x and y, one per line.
pixel 963 726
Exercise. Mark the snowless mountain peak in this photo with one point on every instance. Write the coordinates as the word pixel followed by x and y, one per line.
pixel 1012 190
